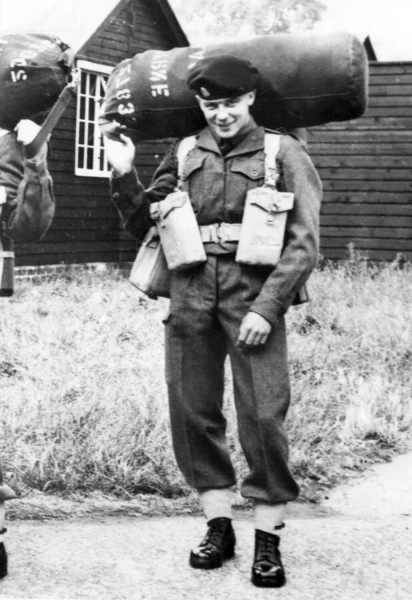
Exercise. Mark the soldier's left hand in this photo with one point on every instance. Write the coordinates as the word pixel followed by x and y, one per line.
pixel 254 330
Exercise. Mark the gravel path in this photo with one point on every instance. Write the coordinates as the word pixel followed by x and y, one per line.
pixel 357 546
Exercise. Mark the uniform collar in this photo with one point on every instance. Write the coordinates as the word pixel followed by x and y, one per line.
pixel 252 141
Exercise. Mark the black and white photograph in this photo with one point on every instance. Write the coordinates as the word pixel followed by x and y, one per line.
pixel 205 299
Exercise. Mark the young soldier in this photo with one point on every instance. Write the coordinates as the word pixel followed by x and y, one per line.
pixel 26 212
pixel 223 307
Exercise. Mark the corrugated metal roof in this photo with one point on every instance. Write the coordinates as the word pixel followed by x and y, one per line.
pixel 74 21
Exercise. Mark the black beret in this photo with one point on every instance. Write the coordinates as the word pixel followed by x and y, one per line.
pixel 223 76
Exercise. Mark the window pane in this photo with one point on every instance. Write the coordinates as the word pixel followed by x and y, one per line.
pixel 82 107
pixel 89 158
pixel 92 107
pixel 81 157
pixel 83 82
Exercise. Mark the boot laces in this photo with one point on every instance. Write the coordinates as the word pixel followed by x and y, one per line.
pixel 267 553
pixel 214 535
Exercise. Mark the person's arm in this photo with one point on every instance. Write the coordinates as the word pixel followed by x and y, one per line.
pixel 128 194
pixel 29 210
pixel 300 253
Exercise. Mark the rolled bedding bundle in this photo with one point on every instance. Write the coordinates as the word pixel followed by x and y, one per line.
pixel 305 80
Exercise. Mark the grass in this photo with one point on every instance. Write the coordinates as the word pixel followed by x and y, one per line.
pixel 84 403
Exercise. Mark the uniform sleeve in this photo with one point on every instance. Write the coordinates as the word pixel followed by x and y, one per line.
pixel 301 249
pixel 133 201
pixel 30 207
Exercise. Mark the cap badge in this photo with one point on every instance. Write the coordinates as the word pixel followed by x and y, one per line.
pixel 205 92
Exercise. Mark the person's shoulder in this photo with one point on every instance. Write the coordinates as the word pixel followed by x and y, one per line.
pixel 292 142
pixel 10 149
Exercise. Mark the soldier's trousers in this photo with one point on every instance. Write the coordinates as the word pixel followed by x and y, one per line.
pixel 207 306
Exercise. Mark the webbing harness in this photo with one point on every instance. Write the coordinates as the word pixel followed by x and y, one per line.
pixel 229 232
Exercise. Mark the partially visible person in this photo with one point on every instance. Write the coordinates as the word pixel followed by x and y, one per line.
pixel 25 216
pixel 29 208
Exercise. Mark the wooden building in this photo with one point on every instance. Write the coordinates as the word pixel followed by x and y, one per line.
pixel 366 169
pixel 86 225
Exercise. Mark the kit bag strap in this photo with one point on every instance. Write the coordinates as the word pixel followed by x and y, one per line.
pixel 185 146
pixel 52 118
pixel 272 145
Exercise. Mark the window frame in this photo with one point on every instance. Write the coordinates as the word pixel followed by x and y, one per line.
pixel 89 68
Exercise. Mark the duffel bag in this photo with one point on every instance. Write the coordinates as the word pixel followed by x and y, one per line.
pixel 34 69
pixel 306 79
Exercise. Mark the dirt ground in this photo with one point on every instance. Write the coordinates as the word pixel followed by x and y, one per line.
pixel 356 545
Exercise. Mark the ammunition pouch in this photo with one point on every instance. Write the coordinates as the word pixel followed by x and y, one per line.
pixel 263 226
pixel 178 231
pixel 149 271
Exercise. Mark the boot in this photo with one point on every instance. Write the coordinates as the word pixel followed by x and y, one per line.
pixel 218 545
pixel 267 569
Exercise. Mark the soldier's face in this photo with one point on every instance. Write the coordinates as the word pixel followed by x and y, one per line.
pixel 227 116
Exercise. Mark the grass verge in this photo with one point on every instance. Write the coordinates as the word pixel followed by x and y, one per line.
pixel 84 404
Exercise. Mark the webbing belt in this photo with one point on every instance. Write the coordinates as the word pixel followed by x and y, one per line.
pixel 220 232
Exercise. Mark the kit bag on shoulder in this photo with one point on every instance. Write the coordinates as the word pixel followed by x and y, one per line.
pixel 6 255
pixel 305 79
pixel 34 69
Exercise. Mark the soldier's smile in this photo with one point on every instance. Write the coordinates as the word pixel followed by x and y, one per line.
pixel 227 116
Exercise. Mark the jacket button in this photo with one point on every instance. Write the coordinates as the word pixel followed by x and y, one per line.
pixel 254 173
pixel 116 195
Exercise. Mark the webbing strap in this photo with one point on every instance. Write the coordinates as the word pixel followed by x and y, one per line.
pixel 3 197
pixel 185 146
pixel 272 145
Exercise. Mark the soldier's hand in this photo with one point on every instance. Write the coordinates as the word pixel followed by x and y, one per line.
pixel 26 131
pixel 120 153
pixel 254 330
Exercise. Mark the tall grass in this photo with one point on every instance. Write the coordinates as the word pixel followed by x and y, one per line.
pixel 83 399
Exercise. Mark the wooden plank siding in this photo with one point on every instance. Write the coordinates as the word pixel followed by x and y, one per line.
pixel 86 227
pixel 366 169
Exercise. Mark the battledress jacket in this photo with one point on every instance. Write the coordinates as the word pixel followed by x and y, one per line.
pixel 29 207
pixel 218 185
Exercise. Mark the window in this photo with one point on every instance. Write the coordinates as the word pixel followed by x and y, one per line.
pixel 90 154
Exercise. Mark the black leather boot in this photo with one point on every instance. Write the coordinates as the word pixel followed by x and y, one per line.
pixel 218 545
pixel 267 569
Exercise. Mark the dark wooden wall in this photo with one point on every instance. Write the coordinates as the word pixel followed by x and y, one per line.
pixel 366 169
pixel 86 224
